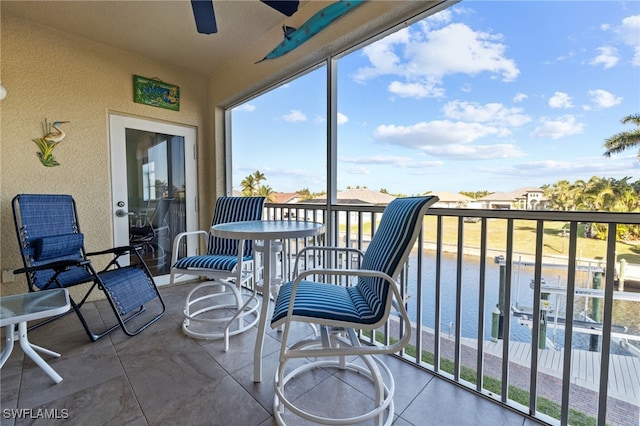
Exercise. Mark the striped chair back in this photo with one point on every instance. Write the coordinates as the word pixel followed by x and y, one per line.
pixel 389 249
pixel 234 209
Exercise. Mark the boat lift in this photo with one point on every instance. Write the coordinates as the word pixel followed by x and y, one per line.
pixel 586 325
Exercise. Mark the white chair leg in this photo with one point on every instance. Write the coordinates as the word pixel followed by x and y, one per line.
pixel 374 369
pixel 200 327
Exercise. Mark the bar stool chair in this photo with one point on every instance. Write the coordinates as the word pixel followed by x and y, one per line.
pixel 337 311
pixel 228 265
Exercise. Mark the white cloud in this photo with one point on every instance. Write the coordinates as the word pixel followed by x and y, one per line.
pixel 444 138
pixel 245 107
pixel 476 152
pixel 420 59
pixel 519 97
pixel 560 100
pixel 554 170
pixel 557 128
pixel 628 32
pixel 438 19
pixel 357 170
pixel 433 133
pixel 608 57
pixel 382 56
pixel 604 99
pixel 294 116
pixel 342 119
pixel 492 113
pixel 398 161
pixel 416 90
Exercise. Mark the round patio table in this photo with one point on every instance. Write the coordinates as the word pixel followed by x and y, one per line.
pixel 267 231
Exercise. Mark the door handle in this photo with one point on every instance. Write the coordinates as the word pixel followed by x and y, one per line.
pixel 122 213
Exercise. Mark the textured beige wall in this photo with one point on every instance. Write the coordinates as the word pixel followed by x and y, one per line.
pixel 53 75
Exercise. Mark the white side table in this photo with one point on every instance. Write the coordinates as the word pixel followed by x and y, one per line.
pixel 20 308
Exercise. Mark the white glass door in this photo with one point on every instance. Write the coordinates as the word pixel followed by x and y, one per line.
pixel 153 176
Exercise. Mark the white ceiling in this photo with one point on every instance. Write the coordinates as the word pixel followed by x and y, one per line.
pixel 160 29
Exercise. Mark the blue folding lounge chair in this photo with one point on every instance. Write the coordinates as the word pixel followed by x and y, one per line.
pixel 54 256
pixel 337 310
pixel 227 263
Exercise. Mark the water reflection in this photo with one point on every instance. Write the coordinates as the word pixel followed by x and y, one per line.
pixel 521 295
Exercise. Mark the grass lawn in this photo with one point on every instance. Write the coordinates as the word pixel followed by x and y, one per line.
pixel 524 238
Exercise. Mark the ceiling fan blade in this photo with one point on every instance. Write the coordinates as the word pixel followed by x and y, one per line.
pixel 286 7
pixel 205 18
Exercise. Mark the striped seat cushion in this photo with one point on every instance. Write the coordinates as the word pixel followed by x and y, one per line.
pixel 324 302
pixel 207 261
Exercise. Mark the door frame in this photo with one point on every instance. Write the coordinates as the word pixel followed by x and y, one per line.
pixel 117 146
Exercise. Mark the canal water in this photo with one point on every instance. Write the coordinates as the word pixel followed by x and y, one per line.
pixel 521 295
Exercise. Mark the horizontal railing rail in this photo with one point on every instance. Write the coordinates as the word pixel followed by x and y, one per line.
pixel 465 276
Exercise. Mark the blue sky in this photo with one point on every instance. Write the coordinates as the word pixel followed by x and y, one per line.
pixel 492 96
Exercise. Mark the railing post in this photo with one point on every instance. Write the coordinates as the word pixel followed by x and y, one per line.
pixel 495 324
pixel 595 310
pixel 621 274
pixel 542 338
pixel 501 303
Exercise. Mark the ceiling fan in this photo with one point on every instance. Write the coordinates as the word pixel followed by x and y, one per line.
pixel 206 18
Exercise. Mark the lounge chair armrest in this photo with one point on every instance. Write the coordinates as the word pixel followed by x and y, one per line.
pixel 60 265
pixel 118 251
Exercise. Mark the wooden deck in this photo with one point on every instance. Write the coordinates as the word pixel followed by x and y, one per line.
pixel 624 371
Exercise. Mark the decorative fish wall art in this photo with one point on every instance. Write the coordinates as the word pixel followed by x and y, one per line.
pixel 295 37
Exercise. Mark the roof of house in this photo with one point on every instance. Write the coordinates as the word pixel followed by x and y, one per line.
pixel 284 197
pixel 450 197
pixel 511 196
pixel 359 196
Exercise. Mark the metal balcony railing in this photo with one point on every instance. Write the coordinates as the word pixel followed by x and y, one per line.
pixel 531 310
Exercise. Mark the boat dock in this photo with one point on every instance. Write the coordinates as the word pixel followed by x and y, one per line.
pixel 624 371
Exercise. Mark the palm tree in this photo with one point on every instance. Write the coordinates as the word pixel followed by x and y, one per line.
pixel 598 194
pixel 266 191
pixel 259 177
pixel 559 195
pixel 623 140
pixel 251 184
pixel 304 194
pixel 248 184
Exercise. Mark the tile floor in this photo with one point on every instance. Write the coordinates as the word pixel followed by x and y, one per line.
pixel 162 377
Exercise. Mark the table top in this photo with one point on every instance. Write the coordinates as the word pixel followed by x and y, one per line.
pixel 34 305
pixel 267 229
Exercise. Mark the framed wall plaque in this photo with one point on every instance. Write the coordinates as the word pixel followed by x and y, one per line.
pixel 156 93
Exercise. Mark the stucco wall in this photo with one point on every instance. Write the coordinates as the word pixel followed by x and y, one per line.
pixel 57 76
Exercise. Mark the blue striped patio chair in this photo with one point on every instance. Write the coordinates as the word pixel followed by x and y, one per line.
pixel 54 256
pixel 336 311
pixel 209 312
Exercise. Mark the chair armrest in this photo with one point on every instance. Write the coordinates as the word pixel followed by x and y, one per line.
pixel 341 272
pixel 180 236
pixel 387 349
pixel 60 265
pixel 301 252
pixel 118 251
